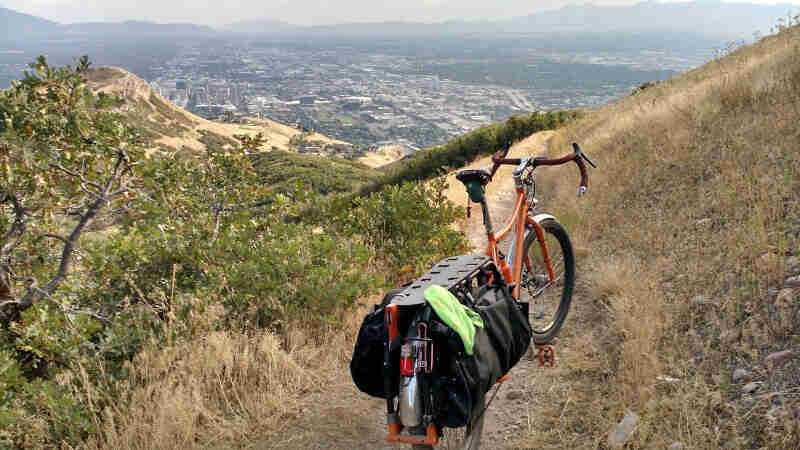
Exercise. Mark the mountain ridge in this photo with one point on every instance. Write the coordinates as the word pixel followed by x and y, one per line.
pixel 16 23
pixel 711 18
pixel 172 129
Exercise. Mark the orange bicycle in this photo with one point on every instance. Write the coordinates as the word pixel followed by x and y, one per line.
pixel 541 276
pixel 538 272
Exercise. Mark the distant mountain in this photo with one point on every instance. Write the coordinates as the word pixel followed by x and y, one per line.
pixel 18 26
pixel 133 27
pixel 709 17
pixel 260 27
pixel 15 25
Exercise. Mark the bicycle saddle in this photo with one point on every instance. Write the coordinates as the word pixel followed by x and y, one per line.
pixel 474 180
pixel 466 176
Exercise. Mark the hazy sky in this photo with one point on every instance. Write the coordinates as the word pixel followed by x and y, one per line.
pixel 303 12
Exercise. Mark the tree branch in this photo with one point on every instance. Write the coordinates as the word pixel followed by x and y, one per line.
pixel 17 228
pixel 88 191
pixel 76 175
pixel 35 294
pixel 56 236
pixel 101 198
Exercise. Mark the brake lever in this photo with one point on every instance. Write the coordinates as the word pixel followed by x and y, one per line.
pixel 582 155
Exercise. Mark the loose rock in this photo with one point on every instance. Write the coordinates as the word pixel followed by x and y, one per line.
pixel 784 306
pixel 777 359
pixel 676 446
pixel 514 395
pixel 715 399
pixel 769 261
pixel 776 413
pixel 785 297
pixel 668 379
pixel 750 388
pixel 623 430
pixel 704 223
pixel 731 336
pixel 792 282
pixel 741 375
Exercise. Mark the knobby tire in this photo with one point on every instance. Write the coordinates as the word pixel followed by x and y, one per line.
pixel 563 259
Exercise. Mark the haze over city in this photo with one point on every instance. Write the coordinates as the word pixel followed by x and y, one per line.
pixel 300 12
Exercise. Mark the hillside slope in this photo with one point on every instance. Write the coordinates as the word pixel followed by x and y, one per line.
pixel 171 129
pixel 692 225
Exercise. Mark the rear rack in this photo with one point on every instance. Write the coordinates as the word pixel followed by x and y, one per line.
pixel 455 273
pixel 460 275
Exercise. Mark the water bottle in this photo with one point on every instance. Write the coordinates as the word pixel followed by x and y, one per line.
pixel 410 397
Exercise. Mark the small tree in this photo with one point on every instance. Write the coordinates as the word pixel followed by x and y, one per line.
pixel 65 160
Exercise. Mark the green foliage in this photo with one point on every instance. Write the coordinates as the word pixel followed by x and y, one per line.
pixel 59 152
pixel 216 142
pixel 408 224
pixel 283 170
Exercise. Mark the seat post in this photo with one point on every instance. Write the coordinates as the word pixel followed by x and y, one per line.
pixel 487 221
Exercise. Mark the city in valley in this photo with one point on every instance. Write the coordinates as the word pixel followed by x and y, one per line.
pixel 409 94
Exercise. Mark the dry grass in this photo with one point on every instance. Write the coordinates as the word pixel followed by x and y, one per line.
pixel 226 389
pixel 382 156
pixel 691 220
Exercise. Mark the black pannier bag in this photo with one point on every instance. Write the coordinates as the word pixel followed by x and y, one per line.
pixel 367 363
pixel 459 379
pixel 366 366
pixel 506 324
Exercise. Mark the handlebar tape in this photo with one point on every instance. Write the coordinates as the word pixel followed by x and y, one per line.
pixel 499 158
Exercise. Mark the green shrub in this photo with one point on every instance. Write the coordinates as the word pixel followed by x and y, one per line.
pixel 408 224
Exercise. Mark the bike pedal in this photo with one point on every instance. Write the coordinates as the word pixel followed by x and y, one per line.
pixel 546 355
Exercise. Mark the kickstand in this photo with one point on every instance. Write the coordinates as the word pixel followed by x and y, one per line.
pixel 546 355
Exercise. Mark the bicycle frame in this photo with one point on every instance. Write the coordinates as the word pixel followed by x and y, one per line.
pixel 519 222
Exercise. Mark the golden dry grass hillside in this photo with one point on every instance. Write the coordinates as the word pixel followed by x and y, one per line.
pixel 381 157
pixel 170 128
pixel 687 295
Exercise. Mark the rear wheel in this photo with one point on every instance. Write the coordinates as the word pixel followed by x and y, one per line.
pixel 467 438
pixel 472 439
pixel 548 300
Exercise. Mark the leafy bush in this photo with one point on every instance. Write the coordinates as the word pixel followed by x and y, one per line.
pixel 410 225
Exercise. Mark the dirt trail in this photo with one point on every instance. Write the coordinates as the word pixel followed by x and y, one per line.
pixel 341 417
